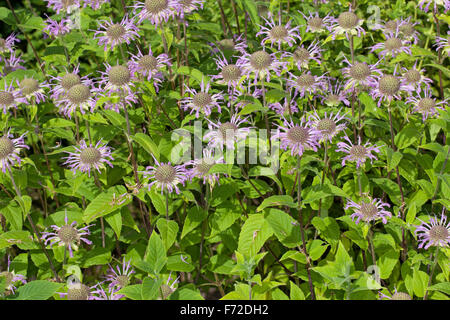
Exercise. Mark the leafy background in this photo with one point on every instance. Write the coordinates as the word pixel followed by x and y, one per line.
pixel 250 234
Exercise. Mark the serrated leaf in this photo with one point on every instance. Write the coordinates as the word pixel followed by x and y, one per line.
pixel 38 290
pixel 254 233
pixel 155 254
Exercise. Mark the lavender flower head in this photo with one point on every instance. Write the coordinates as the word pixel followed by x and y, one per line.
pixel 369 210
pixel 165 176
pixel 398 295
pixel 230 74
pixel 328 126
pixel 288 107
pixel 236 43
pixel 201 167
pixel 201 101
pixel 55 28
pixel 278 33
pixel 89 157
pixel 188 6
pixel 388 87
pixel 425 4
pixel 426 104
pixel 316 24
pixel 443 44
pixel 407 30
pixel 62 84
pixel 32 90
pixel 434 233
pixel 297 137
pixel 78 291
pixel 392 46
pixel 80 96
pixel 94 4
pixel 357 152
pixel 101 294
pixel 348 23
pixel 10 98
pixel 414 79
pixel 11 277
pixel 118 277
pixel 360 74
pixel 307 83
pixel 334 95
pixel 67 235
pixel 11 64
pixel 227 133
pixel 63 5
pixel 113 34
pixel 303 56
pixel 10 149
pixel 260 64
pixel 156 11
pixel 149 66
pixel 117 79
pixel 7 45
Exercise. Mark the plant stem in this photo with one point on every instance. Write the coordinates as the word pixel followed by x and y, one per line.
pixel 432 271
pixel 33 226
pixel 399 182
pixel 302 231
pixel 325 160
pixel 207 198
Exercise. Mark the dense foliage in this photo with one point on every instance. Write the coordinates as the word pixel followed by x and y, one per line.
pixel 115 113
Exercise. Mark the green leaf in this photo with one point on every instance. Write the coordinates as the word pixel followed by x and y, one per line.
pixel 420 281
pixel 194 217
pixel 285 228
pixel 147 143
pixel 105 203
pixel 155 254
pixel 133 292
pixel 254 233
pixel 114 219
pixel 406 137
pixel 186 294
pixel 296 292
pixel 193 73
pixel 328 229
pixel 393 158
pixel 20 238
pixel 150 288
pixel 283 200
pixel 168 230
pixel 176 263
pixel 97 256
pixel 38 290
pixel 387 262
pixel 443 287
pixel 439 67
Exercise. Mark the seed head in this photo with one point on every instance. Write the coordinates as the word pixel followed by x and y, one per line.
pixel 279 32
pixel 156 6
pixel 326 126
pixel 226 44
pixel 80 292
pixel 305 81
pixel 122 280
pixel 115 31
pixel 79 93
pixel 369 211
pixel 165 173
pixel 204 167
pixel 6 147
pixel 360 71
pixel 348 20
pixel 301 54
pixel 393 44
pixel 29 86
pixel 358 151
pixel 202 99
pixel 90 155
pixel 401 296
pixel 298 135
pixel 260 60
pixel 389 85
pixel 6 98
pixel 412 76
pixel 227 126
pixel 119 75
pixel 438 233
pixel 148 62
pixel 407 29
pixel 68 234
pixel 69 80
pixel 231 72
pixel 426 104
pixel 315 23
